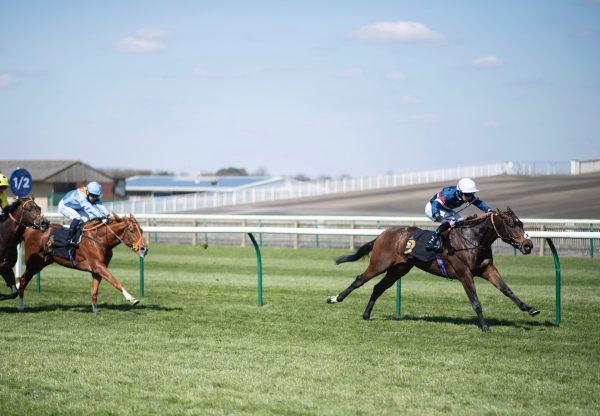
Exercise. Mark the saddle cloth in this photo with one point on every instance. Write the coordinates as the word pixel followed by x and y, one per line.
pixel 58 243
pixel 415 245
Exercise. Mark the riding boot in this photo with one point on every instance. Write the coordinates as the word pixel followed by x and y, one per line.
pixel 74 232
pixel 72 240
pixel 434 243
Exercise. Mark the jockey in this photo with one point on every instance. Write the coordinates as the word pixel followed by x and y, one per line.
pixel 81 205
pixel 440 208
pixel 3 198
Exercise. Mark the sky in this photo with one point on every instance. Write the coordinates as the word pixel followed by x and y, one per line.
pixel 314 88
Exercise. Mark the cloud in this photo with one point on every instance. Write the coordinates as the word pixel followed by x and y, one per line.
pixel 400 31
pixel 396 76
pixel 351 73
pixel 144 40
pixel 6 80
pixel 491 124
pixel 409 99
pixel 422 119
pixel 487 62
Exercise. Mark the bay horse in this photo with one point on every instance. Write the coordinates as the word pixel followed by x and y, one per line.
pixel 466 253
pixel 93 254
pixel 21 214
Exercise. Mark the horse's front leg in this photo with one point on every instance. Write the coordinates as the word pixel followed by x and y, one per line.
pixel 103 272
pixel 96 279
pixel 491 275
pixel 469 287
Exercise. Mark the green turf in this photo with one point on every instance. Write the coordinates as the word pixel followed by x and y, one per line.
pixel 198 344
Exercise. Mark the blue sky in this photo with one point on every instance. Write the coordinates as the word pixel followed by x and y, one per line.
pixel 311 87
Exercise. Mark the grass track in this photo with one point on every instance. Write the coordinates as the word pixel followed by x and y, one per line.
pixel 198 344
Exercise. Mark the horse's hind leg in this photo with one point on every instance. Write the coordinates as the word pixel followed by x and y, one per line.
pixel 491 275
pixel 373 270
pixel 34 264
pixel 393 274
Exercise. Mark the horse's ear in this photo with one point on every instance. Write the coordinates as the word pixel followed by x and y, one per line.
pixel 116 217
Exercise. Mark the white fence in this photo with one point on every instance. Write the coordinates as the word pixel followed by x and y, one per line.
pixel 306 224
pixel 190 202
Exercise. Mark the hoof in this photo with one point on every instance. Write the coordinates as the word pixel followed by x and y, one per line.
pixel 533 311
pixel 134 302
pixel 366 317
pixel 94 309
pixel 332 299
pixel 486 328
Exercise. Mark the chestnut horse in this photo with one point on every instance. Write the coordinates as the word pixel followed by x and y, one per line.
pixel 93 255
pixel 466 253
pixel 21 214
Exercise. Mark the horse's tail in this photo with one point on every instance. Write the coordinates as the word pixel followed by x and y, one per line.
pixel 360 253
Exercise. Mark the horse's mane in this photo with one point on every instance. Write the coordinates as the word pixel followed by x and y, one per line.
pixel 471 222
pixel 12 207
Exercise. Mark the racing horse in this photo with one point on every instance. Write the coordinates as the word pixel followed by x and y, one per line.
pixel 93 255
pixel 21 214
pixel 466 253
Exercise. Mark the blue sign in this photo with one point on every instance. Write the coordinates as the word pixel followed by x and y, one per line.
pixel 20 182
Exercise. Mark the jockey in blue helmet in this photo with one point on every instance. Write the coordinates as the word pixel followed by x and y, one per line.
pixel 440 207
pixel 81 205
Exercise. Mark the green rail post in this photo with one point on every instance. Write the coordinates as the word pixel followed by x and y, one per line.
pixel 38 283
pixel 141 277
pixel 260 235
pixel 557 284
pixel 317 235
pixel 259 265
pixel 591 241
pixel 398 296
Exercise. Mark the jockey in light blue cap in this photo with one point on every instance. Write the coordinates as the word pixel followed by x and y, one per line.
pixel 81 205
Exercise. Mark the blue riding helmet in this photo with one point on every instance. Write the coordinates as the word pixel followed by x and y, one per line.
pixel 94 188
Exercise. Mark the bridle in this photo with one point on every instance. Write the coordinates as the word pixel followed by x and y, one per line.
pixel 135 246
pixel 511 237
pixel 19 222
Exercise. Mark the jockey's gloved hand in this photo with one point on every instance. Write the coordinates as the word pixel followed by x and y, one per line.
pixel 105 220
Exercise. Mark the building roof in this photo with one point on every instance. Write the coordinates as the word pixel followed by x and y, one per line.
pixel 55 170
pixel 153 183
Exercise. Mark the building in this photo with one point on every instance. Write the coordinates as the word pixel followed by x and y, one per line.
pixel 155 185
pixel 53 178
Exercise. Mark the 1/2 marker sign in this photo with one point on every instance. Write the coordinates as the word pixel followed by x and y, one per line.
pixel 20 182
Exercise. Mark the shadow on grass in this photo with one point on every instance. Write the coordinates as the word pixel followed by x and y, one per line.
pixel 473 321
pixel 88 308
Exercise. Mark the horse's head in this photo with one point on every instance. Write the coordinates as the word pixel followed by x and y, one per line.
pixel 510 230
pixel 132 235
pixel 25 212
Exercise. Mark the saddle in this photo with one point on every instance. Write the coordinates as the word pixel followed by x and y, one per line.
pixel 59 245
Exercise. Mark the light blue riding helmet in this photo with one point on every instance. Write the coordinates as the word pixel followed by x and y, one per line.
pixel 94 188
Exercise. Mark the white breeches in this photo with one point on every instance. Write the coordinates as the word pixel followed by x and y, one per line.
pixel 72 214
pixel 447 215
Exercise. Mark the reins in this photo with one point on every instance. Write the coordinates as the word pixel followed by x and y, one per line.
pixel 134 246
pixel 511 240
